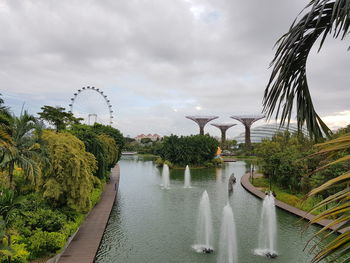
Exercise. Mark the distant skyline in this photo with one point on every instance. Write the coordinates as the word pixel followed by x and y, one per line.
pixel 158 60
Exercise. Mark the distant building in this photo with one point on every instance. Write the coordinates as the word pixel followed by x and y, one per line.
pixel 153 137
pixel 266 132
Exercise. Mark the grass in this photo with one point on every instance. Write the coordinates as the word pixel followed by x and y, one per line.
pixel 286 196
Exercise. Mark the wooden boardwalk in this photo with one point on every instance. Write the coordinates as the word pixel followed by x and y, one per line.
pixel 84 246
pixel 291 209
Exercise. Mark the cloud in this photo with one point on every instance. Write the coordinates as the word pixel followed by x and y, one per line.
pixel 157 60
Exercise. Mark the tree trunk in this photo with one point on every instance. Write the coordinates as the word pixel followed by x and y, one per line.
pixel 9 258
pixel 11 169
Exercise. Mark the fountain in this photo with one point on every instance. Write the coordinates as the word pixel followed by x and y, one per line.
pixel 204 226
pixel 268 228
pixel 187 177
pixel 165 177
pixel 227 243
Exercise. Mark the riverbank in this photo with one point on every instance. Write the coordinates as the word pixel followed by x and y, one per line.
pixel 291 209
pixel 86 241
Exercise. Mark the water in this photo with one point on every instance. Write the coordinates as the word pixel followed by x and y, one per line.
pixel 204 226
pixel 187 177
pixel 268 228
pixel 154 226
pixel 227 243
pixel 165 176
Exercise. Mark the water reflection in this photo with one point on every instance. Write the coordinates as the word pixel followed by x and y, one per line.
pixel 152 225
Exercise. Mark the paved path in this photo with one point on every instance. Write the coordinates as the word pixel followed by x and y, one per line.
pixel 85 243
pixel 291 209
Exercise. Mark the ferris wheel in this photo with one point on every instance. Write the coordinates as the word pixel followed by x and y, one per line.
pixel 100 92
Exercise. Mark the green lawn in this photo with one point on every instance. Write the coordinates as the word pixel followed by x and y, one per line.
pixel 285 196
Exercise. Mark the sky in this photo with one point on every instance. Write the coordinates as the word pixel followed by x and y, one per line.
pixel 158 60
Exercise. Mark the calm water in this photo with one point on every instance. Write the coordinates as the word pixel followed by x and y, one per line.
pixel 152 225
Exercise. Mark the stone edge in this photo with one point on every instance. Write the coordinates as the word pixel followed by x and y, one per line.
pixel 291 209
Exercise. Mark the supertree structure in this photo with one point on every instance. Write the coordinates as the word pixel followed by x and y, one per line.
pixel 247 121
pixel 201 121
pixel 223 128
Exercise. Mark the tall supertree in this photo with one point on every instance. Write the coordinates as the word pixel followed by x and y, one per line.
pixel 247 121
pixel 202 121
pixel 223 128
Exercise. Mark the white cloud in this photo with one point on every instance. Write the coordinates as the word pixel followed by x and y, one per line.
pixel 157 60
pixel 337 120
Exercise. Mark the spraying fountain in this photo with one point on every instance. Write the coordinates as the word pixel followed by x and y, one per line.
pixel 187 177
pixel 204 226
pixel 165 177
pixel 268 228
pixel 228 243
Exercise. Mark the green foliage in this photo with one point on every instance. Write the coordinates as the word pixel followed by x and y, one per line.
pixel 285 196
pixel 58 117
pixel 101 145
pixel 152 148
pixel 96 194
pixel 112 132
pixel 70 179
pixel 24 151
pixel 60 170
pixel 192 150
pixel 43 243
pixel 110 149
pixel 282 160
pixel 50 220
pixel 146 140
pixel 217 161
pixel 20 253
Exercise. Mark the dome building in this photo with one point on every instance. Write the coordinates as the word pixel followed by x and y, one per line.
pixel 266 132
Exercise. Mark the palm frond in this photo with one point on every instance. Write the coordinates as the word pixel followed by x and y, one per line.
pixel 340 205
pixel 288 82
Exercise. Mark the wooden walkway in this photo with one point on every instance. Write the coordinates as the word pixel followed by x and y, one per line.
pixel 291 209
pixel 84 246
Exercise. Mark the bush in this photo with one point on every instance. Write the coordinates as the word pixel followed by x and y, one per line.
pixel 45 219
pixel 72 226
pixel 21 255
pixel 43 243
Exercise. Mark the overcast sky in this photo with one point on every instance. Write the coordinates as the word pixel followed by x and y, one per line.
pixel 158 60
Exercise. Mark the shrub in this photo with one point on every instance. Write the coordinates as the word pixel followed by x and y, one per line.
pixel 45 219
pixel 43 243
pixel 21 254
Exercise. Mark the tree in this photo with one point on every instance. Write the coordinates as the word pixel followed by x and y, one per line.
pixel 288 84
pixel 5 119
pixel 70 179
pixel 112 132
pixel 8 204
pixel 194 149
pixel 145 140
pixel 102 146
pixel 110 148
pixel 23 151
pixel 282 159
pixel 58 117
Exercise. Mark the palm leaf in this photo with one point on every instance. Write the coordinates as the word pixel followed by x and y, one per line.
pixel 288 80
pixel 337 246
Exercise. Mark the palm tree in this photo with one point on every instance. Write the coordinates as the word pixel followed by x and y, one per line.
pixel 8 203
pixel 24 151
pixel 5 119
pixel 288 84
